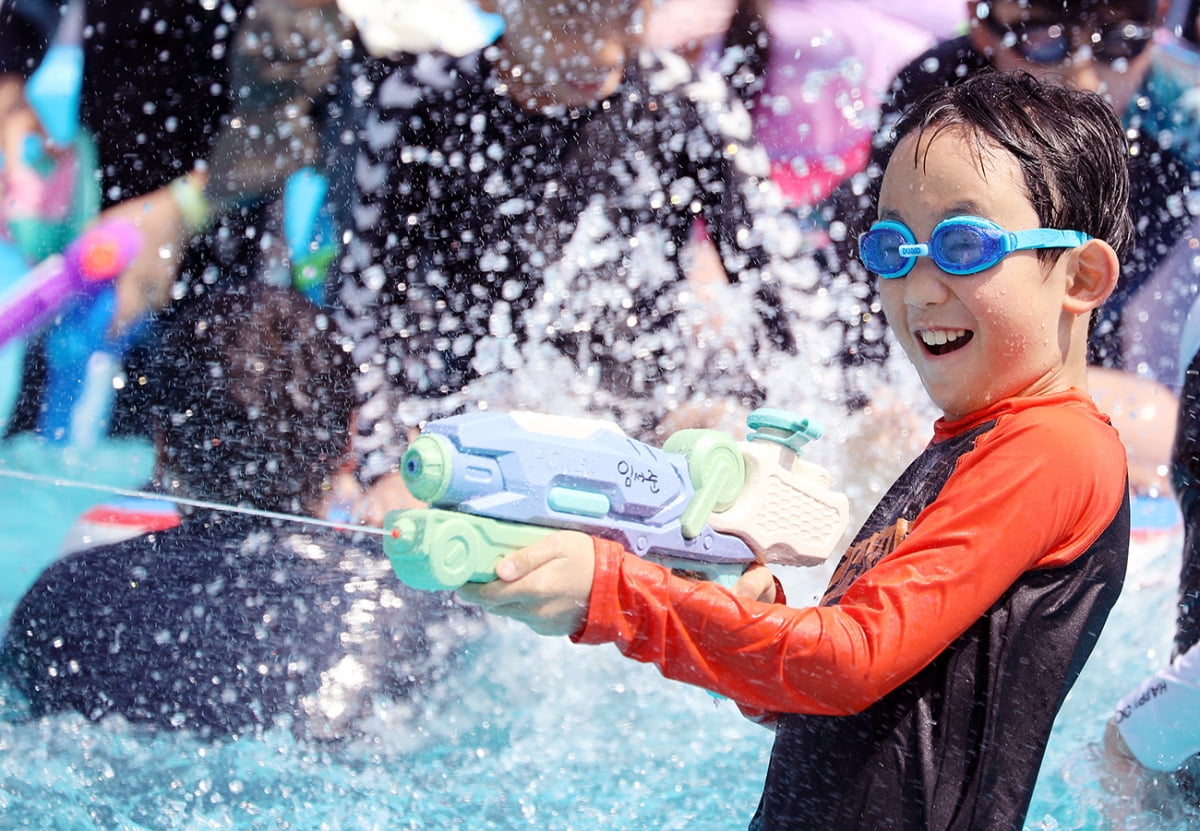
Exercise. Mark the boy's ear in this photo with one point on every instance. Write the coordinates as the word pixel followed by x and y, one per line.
pixel 1094 277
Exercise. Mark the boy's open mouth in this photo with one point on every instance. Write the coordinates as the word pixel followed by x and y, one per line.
pixel 944 341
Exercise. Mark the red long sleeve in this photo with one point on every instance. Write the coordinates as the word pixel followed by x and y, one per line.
pixel 1034 495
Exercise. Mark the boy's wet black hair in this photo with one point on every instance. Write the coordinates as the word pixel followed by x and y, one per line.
pixel 253 396
pixel 1069 144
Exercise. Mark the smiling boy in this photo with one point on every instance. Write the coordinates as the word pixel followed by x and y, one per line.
pixel 921 692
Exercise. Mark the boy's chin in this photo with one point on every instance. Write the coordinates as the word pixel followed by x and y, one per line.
pixel 952 404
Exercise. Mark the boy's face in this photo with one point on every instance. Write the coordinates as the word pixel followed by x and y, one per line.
pixel 978 338
pixel 568 52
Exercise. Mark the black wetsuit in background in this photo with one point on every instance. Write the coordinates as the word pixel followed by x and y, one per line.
pixel 227 624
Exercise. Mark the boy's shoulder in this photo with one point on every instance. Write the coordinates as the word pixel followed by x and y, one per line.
pixel 1063 435
pixel 1058 449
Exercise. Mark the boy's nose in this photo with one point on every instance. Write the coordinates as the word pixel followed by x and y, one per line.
pixel 926 284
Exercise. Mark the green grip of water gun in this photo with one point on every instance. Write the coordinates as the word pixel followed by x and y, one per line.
pixel 435 550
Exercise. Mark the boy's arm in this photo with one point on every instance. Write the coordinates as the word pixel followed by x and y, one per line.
pixel 1027 499
pixel 987 527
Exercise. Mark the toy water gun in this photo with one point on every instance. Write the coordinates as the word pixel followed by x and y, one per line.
pixel 88 265
pixel 703 503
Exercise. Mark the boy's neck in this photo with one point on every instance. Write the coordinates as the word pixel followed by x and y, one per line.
pixel 947 425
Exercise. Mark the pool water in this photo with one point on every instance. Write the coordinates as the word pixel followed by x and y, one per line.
pixel 532 733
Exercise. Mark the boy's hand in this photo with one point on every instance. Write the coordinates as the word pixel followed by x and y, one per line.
pixel 545 586
pixel 757 583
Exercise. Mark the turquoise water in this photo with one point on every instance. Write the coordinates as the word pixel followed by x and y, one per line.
pixel 534 733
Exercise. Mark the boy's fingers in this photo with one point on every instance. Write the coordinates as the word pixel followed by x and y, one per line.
pixel 512 567
pixel 522 562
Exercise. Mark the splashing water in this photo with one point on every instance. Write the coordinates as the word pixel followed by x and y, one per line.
pixel 532 732
pixel 514 740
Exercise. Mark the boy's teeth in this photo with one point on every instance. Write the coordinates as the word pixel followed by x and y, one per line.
pixel 941 336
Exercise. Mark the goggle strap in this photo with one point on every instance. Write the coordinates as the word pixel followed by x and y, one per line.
pixel 1046 238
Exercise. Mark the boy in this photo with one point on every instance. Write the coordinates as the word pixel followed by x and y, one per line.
pixel 229 623
pixel 1145 78
pixel 521 226
pixel 921 692
pixel 1120 49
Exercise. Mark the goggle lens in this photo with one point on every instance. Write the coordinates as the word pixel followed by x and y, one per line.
pixel 964 249
pixel 879 250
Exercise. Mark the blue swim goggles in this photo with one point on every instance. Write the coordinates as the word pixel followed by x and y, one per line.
pixel 959 245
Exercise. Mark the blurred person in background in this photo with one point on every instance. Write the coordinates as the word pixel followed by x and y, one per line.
pixel 198 112
pixel 231 623
pixel 521 224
